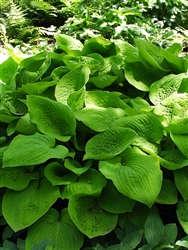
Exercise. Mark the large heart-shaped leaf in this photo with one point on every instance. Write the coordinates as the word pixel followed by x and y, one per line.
pixel 135 174
pixel 21 209
pixel 59 228
pixel 51 117
pixel 71 82
pixel 109 143
pixel 97 118
pixel 26 150
pixel 89 216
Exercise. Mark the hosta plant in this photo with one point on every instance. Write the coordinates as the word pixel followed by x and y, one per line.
pixel 94 146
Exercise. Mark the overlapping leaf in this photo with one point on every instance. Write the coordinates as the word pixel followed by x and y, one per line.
pixel 51 117
pixel 97 118
pixel 59 228
pixel 135 174
pixel 89 216
pixel 26 150
pixel 71 82
pixel 36 200
pixel 109 143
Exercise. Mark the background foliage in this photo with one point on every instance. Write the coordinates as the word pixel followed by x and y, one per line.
pixel 162 22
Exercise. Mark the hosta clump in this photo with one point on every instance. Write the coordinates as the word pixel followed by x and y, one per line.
pixel 94 146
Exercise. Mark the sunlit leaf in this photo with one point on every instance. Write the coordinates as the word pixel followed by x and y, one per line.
pixel 71 82
pixel 51 117
pixel 109 143
pixel 97 118
pixel 145 125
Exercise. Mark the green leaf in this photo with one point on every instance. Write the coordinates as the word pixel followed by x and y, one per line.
pixel 56 174
pixel 181 181
pixel 51 117
pixel 12 100
pixel 100 45
pixel 113 201
pixel 151 53
pixel 25 126
pixel 182 214
pixel 168 193
pixel 181 142
pixel 37 88
pixel 76 100
pixel 172 159
pixel 183 242
pixel 26 150
pixel 8 245
pixel 103 80
pixel 89 217
pixel 154 229
pixel 170 234
pixel 16 178
pixel 69 44
pixel 41 245
pixel 29 204
pixel 141 77
pixel 71 82
pixel 91 61
pixel 33 68
pixel 97 118
pixel 76 166
pixel 103 99
pixel 165 87
pixel 135 175
pixel 132 240
pixel 109 143
pixel 124 47
pixel 59 228
pixel 175 62
pixel 145 125
pixel 7 70
pixel 90 182
pixel 59 72
pixel 172 108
